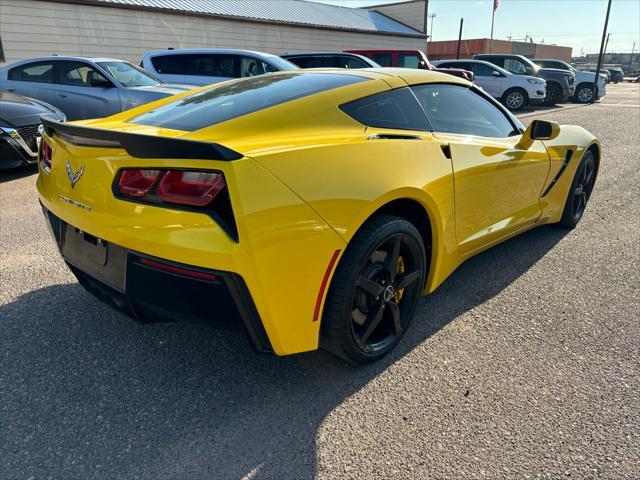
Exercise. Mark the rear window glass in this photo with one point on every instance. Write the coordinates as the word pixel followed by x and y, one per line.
pixel 408 61
pixel 237 98
pixel 397 109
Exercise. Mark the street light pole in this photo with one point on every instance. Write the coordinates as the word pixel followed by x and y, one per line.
pixel 600 57
pixel 426 34
pixel 432 16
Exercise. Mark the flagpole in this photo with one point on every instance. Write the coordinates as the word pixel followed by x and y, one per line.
pixel 493 16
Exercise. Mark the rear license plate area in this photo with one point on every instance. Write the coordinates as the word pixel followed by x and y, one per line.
pixel 94 256
pixel 81 246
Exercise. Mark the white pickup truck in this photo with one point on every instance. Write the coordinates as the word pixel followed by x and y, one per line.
pixel 584 80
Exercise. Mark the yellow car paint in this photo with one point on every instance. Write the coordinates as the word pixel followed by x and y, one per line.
pixel 309 178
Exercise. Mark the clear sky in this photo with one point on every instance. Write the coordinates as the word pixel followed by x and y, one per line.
pixel 574 23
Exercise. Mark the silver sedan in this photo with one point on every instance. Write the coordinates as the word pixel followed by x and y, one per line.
pixel 84 87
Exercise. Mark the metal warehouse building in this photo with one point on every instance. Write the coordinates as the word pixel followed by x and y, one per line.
pixel 127 28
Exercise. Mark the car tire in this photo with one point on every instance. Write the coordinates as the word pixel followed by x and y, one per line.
pixel 554 94
pixel 373 296
pixel 584 93
pixel 515 99
pixel 580 191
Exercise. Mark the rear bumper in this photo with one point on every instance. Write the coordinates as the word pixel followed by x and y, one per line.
pixel 151 289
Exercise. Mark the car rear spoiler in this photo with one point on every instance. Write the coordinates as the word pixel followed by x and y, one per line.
pixel 140 146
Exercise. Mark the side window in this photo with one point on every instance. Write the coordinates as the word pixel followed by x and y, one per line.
pixel 343 61
pixel 496 61
pixel 40 72
pixel 462 65
pixel 306 62
pixel 383 59
pixel 408 61
pixel 482 70
pixel 515 66
pixel 205 65
pixel 170 64
pixel 15 74
pixel 250 67
pixel 458 109
pixel 78 74
pixel 352 62
pixel 395 109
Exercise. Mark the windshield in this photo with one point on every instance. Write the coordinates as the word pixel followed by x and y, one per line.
pixel 281 63
pixel 129 75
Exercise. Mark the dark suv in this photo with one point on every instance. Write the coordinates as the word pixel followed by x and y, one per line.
pixel 617 74
pixel 329 60
pixel 560 83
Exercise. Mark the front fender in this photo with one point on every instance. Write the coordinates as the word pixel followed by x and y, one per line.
pixel 571 144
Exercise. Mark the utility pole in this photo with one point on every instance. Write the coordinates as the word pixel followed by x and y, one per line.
pixel 600 57
pixel 633 49
pixel 459 39
pixel 426 17
pixel 493 17
pixel 606 45
pixel 432 16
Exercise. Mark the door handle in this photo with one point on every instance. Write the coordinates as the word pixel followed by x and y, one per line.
pixel 62 95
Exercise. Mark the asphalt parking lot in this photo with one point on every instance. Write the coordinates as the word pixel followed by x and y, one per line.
pixel 524 364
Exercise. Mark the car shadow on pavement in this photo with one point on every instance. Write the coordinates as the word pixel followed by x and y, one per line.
pixel 88 393
pixel 16 173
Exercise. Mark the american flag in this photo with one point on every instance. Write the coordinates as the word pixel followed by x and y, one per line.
pixel 495 4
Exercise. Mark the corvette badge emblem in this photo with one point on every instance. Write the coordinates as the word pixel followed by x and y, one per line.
pixel 74 176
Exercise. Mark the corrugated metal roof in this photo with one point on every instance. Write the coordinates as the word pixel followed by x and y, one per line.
pixel 282 11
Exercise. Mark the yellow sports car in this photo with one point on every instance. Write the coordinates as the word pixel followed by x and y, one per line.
pixel 313 208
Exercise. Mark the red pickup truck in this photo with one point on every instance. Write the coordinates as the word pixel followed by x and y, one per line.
pixel 409 59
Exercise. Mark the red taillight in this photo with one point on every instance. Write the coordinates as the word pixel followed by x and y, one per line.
pixel 45 157
pixel 137 183
pixel 196 189
pixel 182 187
pixel 179 189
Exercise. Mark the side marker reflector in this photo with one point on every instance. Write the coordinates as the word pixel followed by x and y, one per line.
pixel 323 286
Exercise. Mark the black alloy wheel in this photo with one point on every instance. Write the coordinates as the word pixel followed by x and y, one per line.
pixel 375 290
pixel 580 191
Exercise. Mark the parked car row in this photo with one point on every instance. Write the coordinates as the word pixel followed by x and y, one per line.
pixel 514 91
pixel 77 88
pixel 585 81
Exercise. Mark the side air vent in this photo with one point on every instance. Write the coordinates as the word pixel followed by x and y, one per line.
pixel 567 158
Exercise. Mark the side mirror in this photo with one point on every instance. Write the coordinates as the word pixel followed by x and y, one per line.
pixel 100 82
pixel 544 130
pixel 496 73
pixel 538 130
